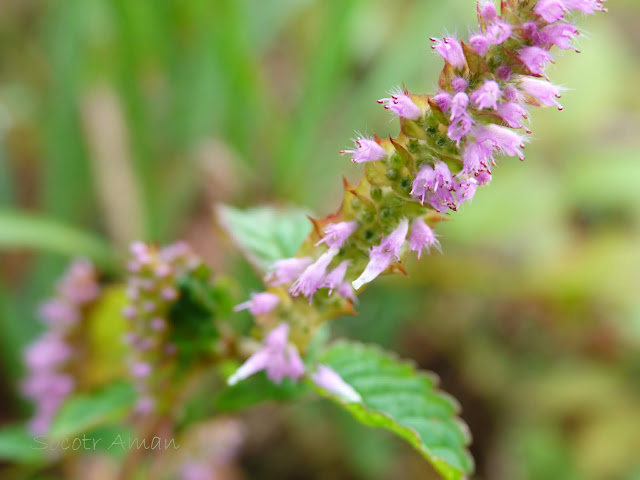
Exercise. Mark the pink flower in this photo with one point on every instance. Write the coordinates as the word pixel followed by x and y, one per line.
pixel 443 176
pixel 483 177
pixel 46 384
pixel 488 11
pixel 542 91
pixel 47 352
pixel 337 233
pixel 442 101
pixel 459 84
pixel 198 471
pixel 260 303
pixel 559 34
pixel 503 73
pixel 479 44
pixel 59 314
pixel 487 95
pixel 48 390
pixel 535 59
pixel 442 200
pixel 451 50
pixel 585 6
pixel 346 290
pixel 465 190
pixel 381 256
pixel 530 30
pixel 314 275
pixel 459 105
pixel 498 33
pixel 425 180
pixel 511 93
pixel 460 127
pixel 145 405
pixel 79 285
pixel 461 122
pixel 512 113
pixel 140 370
pixel 500 138
pixel 550 10
pixel 475 158
pixel 327 378
pixel 175 252
pixel 402 105
pixel 422 236
pixel 158 324
pixel 336 277
pixel 367 150
pixel 287 270
pixel 277 357
pixel 432 180
pixel 169 293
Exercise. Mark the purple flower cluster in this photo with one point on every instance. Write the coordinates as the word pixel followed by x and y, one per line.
pixel 306 276
pixel 482 111
pixel 151 290
pixel 447 149
pixel 440 189
pixel 50 380
pixel 280 359
pixel 389 250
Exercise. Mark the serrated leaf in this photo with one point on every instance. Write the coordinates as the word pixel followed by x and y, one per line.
pixel 17 444
pixel 265 234
pixel 398 398
pixel 85 412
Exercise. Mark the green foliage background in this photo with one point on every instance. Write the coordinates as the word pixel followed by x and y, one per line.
pixel 129 119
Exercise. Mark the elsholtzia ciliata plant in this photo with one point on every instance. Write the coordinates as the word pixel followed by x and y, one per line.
pixel 178 322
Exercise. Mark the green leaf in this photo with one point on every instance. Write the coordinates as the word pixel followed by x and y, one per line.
pixel 24 230
pixel 265 234
pixel 257 389
pixel 193 317
pixel 398 398
pixel 105 327
pixel 17 444
pixel 106 438
pixel 85 412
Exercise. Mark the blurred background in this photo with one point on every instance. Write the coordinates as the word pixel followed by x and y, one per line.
pixel 129 119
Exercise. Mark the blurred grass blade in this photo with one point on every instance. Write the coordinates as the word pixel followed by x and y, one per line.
pixel 323 73
pixel 20 230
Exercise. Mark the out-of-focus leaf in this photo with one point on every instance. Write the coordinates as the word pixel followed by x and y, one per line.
pixel 17 444
pixel 23 230
pixel 85 412
pixel 404 401
pixel 257 389
pixel 106 327
pixel 193 317
pixel 107 438
pixel 265 234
